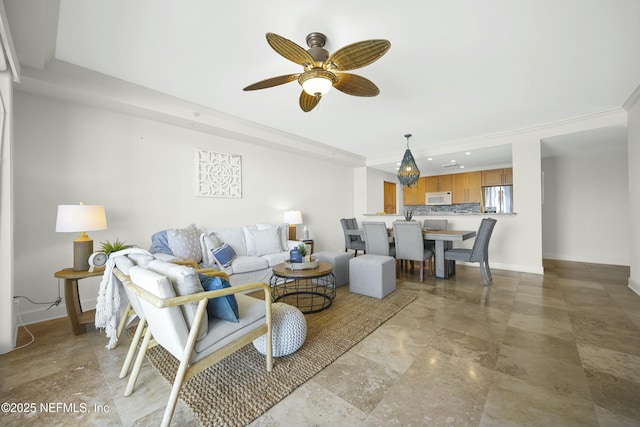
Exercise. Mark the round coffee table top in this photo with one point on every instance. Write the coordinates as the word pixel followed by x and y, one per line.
pixel 322 269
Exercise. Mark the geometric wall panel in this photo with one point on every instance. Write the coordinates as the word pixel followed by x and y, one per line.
pixel 219 175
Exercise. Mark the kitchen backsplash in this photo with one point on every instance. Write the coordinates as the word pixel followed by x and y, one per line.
pixel 471 208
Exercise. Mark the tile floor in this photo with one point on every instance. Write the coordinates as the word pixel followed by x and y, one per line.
pixel 561 349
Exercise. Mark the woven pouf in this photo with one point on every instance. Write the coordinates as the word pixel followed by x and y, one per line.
pixel 288 330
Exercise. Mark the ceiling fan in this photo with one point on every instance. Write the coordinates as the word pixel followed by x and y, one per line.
pixel 323 71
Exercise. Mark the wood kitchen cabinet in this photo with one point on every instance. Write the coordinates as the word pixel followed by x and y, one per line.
pixel 497 177
pixel 438 183
pixel 414 195
pixel 466 187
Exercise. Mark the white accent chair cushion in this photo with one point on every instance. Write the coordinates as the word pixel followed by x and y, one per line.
pixel 185 282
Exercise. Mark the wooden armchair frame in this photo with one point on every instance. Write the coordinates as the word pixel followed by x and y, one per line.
pixel 186 369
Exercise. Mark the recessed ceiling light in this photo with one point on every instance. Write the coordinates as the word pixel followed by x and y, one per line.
pixel 453 161
pixel 429 158
pixel 461 166
pixel 468 153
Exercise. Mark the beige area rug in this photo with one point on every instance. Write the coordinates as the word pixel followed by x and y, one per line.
pixel 238 389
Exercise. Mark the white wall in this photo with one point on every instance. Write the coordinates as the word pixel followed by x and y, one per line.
pixel 586 208
pixel 144 174
pixel 7 320
pixel 634 191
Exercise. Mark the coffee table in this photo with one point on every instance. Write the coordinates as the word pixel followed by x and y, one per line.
pixel 310 290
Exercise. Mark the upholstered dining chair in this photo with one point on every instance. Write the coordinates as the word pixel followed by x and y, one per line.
pixel 479 252
pixel 376 239
pixel 434 224
pixel 204 340
pixel 410 245
pixel 353 242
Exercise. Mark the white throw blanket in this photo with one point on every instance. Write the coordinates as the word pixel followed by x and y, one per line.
pixel 112 298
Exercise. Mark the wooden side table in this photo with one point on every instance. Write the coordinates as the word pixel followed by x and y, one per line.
pixel 77 317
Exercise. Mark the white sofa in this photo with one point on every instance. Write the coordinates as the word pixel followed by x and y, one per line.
pixel 257 247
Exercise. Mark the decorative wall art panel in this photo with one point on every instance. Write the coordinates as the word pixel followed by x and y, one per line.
pixel 219 175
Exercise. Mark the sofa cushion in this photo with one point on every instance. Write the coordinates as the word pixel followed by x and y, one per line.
pixel 208 242
pixel 262 242
pixel 283 232
pixel 276 258
pixel 224 255
pixel 225 307
pixel 185 242
pixel 244 264
pixel 185 282
pixel 234 236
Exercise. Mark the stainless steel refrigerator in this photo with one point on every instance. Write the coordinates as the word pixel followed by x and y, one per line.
pixel 498 199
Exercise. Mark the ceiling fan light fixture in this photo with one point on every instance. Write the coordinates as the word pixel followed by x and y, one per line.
pixel 317 82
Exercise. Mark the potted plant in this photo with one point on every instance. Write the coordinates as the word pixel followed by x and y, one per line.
pixel 408 215
pixel 303 252
pixel 115 246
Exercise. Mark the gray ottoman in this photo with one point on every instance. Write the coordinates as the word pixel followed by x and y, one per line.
pixel 340 263
pixel 372 275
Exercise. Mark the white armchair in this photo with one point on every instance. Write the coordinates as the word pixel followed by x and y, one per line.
pixel 167 324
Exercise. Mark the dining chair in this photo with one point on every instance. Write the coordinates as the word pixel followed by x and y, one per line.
pixel 479 252
pixel 434 224
pixel 410 245
pixel 376 239
pixel 351 241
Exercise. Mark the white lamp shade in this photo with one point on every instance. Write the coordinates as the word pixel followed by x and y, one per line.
pixel 292 217
pixel 75 218
pixel 317 86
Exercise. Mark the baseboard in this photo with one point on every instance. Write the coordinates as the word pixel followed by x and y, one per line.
pixel 510 267
pixel 588 260
pixel 634 286
pixel 41 314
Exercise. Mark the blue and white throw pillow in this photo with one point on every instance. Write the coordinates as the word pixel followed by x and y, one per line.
pixel 224 255
pixel 225 307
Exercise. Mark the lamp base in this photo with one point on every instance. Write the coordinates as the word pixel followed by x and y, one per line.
pixel 82 250
pixel 293 232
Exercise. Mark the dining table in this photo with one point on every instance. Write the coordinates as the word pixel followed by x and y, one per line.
pixel 443 240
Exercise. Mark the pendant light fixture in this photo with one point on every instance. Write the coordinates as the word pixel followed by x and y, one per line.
pixel 408 174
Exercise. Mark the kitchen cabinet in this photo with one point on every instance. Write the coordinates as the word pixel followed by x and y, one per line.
pixel 438 183
pixel 466 187
pixel 414 195
pixel 497 177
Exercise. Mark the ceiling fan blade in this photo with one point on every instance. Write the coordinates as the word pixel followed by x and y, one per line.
pixel 308 102
pixel 352 84
pixel 290 50
pixel 359 54
pixel 273 81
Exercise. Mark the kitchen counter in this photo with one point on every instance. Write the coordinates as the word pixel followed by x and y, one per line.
pixel 436 214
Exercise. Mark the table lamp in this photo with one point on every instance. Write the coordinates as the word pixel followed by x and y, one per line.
pixel 292 218
pixel 81 218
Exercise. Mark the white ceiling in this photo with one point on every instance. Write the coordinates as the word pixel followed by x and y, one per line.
pixel 456 70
